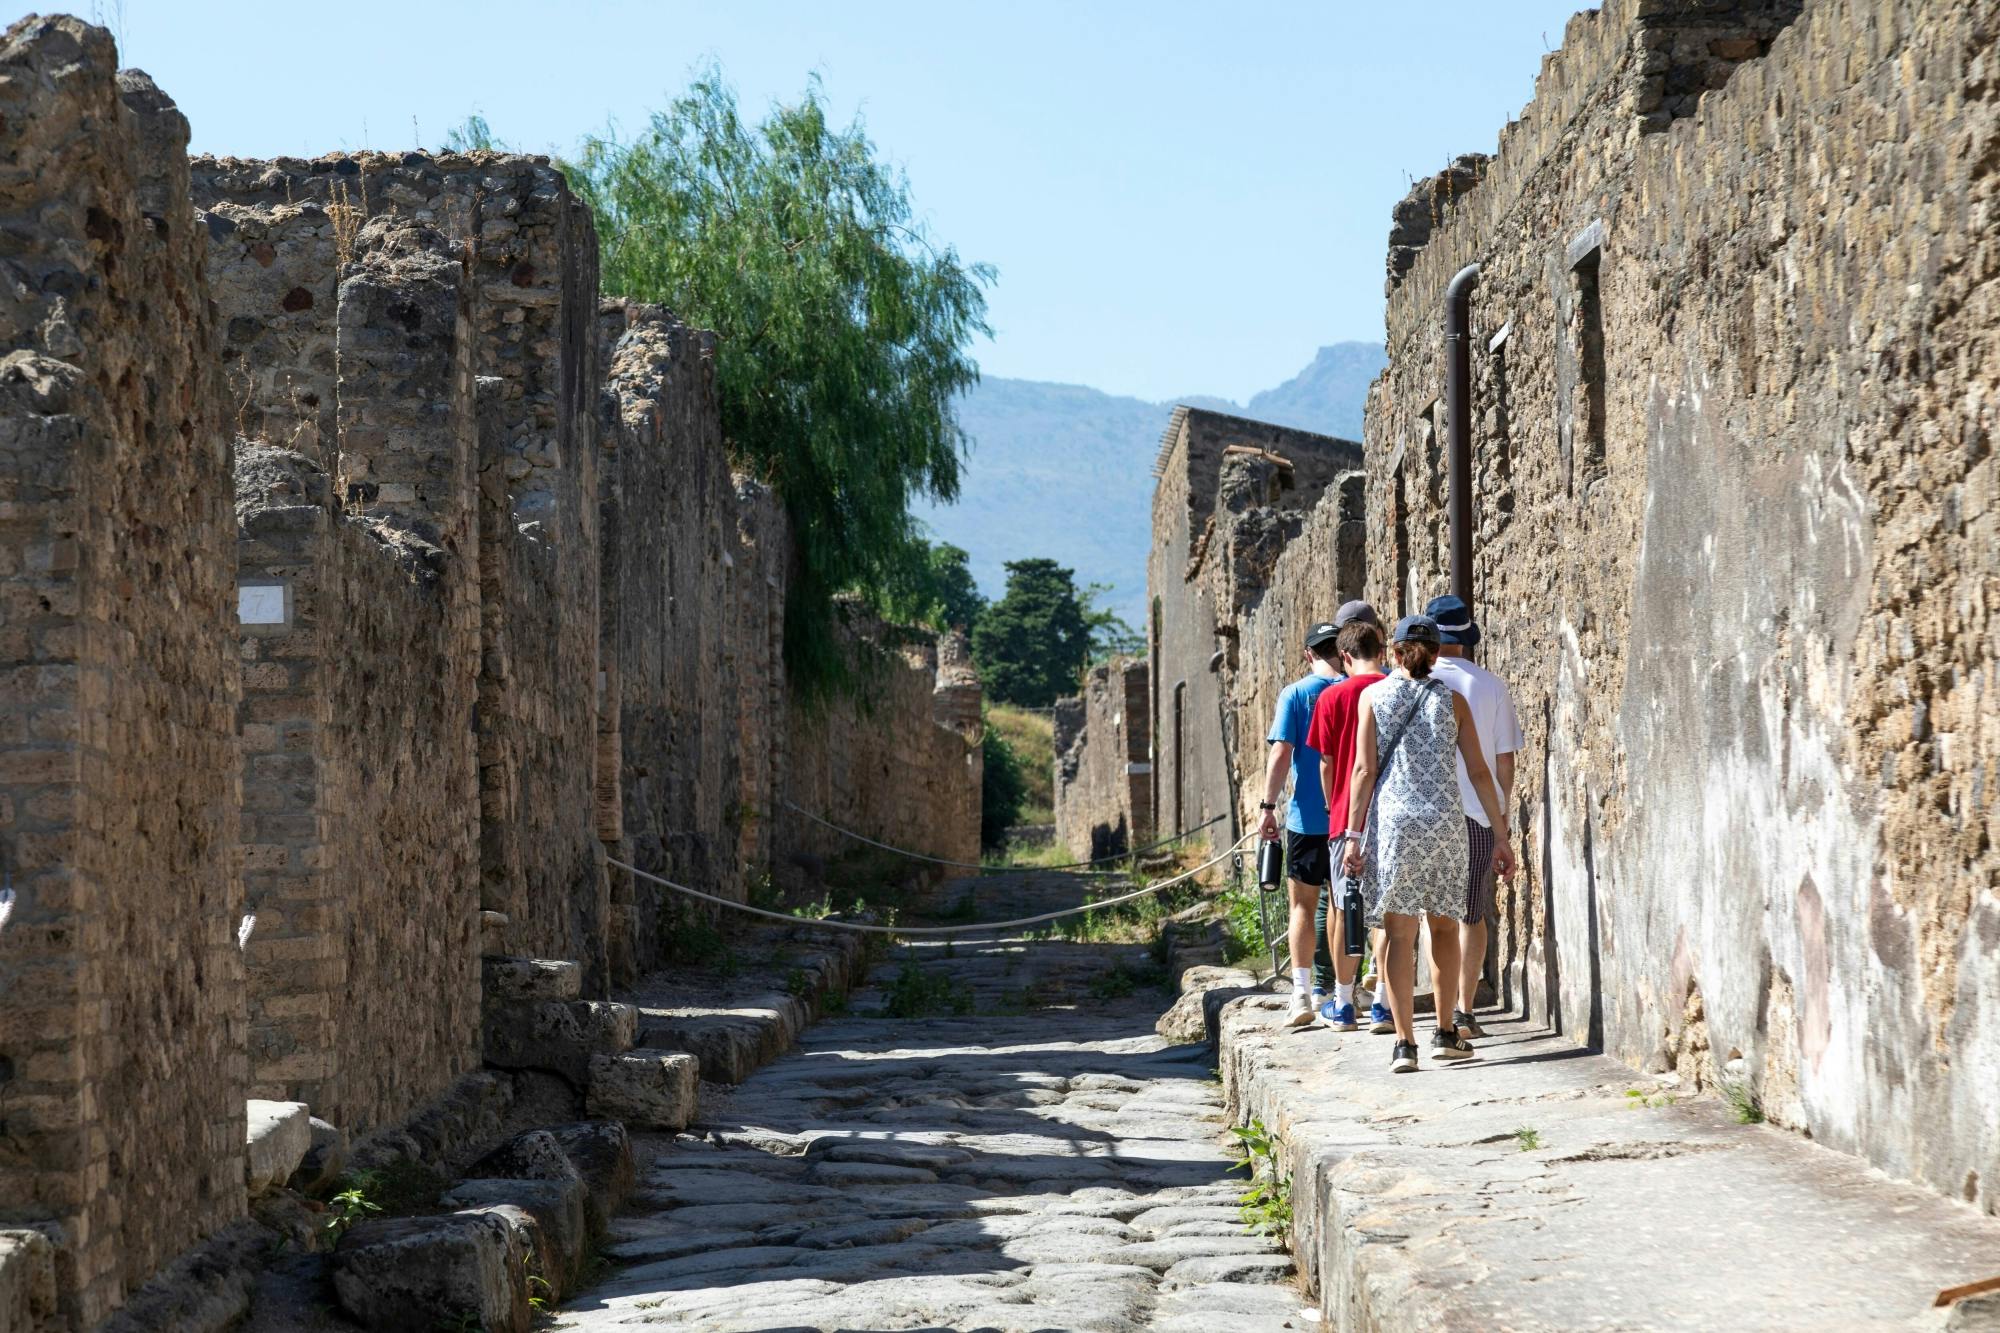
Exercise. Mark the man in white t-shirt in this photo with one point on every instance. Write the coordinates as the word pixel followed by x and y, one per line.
pixel 1499 737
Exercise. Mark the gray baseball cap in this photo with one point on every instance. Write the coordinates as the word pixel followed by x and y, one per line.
pixel 1353 611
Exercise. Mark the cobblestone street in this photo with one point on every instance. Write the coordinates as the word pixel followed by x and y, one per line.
pixel 1007 1168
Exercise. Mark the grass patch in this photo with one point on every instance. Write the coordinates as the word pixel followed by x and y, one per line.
pixel 1636 1098
pixel 1242 926
pixel 918 992
pixel 1744 1105
pixel 1126 979
pixel 1033 739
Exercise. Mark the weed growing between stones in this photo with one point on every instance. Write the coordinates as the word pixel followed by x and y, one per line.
pixel 1636 1098
pixel 1528 1139
pixel 1243 932
pixel 1266 1207
pixel 343 1210
pixel 1125 978
pixel 797 984
pixel 1744 1104
pixel 398 1188
pixel 919 993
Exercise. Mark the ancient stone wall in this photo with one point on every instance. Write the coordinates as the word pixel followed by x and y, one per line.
pixel 121 1034
pixel 1104 771
pixel 531 256
pixel 1231 502
pixel 1736 551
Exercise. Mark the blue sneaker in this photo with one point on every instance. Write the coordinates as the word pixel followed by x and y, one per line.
pixel 1342 1017
pixel 1379 1018
pixel 1327 1007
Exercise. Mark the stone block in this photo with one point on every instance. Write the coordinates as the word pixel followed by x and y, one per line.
pixel 560 1209
pixel 645 1090
pixel 535 1155
pixel 492 933
pixel 602 1151
pixel 508 978
pixel 557 1036
pixel 415 1274
pixel 277 1138
pixel 325 1159
pixel 27 1279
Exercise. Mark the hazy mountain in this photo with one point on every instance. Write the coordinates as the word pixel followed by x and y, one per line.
pixel 1066 472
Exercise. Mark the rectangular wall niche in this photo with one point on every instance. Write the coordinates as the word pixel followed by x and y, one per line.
pixel 265 603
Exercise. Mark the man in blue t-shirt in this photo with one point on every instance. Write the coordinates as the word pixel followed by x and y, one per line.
pixel 1306 860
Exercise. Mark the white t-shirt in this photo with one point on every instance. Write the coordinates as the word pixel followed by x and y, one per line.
pixel 1492 713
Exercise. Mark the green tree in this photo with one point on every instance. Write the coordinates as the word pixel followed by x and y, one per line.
pixel 938 591
pixel 841 325
pixel 1032 644
pixel 1003 791
pixel 1111 635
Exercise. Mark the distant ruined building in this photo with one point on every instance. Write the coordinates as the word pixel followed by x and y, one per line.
pixel 365 582
pixel 1731 500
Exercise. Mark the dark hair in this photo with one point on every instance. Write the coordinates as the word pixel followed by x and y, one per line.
pixel 1361 640
pixel 1416 657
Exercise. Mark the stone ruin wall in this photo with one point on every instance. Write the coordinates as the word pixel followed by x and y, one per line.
pixel 119 975
pixel 442 729
pixel 1104 770
pixel 1737 551
pixel 1230 522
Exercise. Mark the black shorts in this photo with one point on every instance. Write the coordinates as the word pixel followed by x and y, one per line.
pixel 1306 858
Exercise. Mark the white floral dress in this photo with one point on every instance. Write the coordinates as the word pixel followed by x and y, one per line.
pixel 1413 845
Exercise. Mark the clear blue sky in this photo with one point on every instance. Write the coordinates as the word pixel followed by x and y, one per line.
pixel 1180 197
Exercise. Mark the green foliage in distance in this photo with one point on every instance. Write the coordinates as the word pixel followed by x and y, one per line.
pixel 841 328
pixel 1002 792
pixel 937 590
pixel 1032 644
pixel 1111 635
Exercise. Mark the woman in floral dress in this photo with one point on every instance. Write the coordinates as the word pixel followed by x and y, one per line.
pixel 1411 854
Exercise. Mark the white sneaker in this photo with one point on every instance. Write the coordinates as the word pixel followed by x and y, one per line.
pixel 1303 1011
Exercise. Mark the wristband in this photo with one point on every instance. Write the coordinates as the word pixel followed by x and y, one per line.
pixel 1266 805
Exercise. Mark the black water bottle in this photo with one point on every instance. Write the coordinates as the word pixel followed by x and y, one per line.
pixel 1353 928
pixel 1270 864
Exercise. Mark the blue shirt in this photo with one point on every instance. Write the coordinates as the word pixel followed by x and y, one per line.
pixel 1307 811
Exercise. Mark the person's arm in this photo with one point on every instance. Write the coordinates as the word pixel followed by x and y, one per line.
pixel 1274 783
pixel 1326 785
pixel 1504 766
pixel 1482 784
pixel 1361 787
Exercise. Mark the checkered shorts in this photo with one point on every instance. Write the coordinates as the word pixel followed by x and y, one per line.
pixel 1479 887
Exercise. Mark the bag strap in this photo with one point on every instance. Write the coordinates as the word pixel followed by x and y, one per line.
pixel 1382 767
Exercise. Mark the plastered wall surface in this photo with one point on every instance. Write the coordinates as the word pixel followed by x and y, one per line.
pixel 1732 418
pixel 1104 771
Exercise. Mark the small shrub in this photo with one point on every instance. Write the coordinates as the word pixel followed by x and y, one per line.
pixel 1266 1207
pixel 919 993
pixel 1744 1104
pixel 1528 1139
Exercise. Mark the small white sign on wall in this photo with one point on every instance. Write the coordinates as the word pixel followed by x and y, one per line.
pixel 260 603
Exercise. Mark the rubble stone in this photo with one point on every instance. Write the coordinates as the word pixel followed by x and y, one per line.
pixel 644 1090
pixel 413 1274
pixel 278 1138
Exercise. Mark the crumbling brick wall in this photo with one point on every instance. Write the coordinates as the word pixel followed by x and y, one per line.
pixel 531 256
pixel 1736 547
pixel 1231 503
pixel 1104 772
pixel 121 1035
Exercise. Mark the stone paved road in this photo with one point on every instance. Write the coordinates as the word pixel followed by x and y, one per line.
pixel 1047 1168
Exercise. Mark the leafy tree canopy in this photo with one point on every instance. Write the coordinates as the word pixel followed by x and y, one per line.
pixel 841 326
pixel 1032 644
pixel 938 590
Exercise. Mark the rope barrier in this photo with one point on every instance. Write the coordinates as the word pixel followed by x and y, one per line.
pixel 999 870
pixel 935 930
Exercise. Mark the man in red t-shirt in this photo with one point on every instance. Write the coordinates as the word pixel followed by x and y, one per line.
pixel 1334 721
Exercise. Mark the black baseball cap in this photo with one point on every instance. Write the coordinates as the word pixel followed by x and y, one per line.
pixel 1415 629
pixel 1350 612
pixel 1321 635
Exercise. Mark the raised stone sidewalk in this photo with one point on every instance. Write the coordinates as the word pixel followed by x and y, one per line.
pixel 1539 1186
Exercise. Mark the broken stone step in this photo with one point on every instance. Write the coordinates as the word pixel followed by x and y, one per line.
pixel 277 1137
pixel 415 1274
pixel 645 1089
pixel 558 1036
pixel 559 1238
pixel 506 979
pixel 598 1151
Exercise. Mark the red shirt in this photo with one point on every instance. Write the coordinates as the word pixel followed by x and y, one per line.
pixel 1336 715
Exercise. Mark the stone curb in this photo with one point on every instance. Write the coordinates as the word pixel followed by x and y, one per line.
pixel 1420 1204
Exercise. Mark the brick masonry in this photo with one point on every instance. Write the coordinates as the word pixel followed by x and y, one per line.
pixel 503 608
pixel 1104 768
pixel 121 1010
pixel 1732 417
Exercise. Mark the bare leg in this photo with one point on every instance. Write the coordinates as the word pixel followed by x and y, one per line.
pixel 1472 961
pixel 1305 899
pixel 1444 966
pixel 1397 966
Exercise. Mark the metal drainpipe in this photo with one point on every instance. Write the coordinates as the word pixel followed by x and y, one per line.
pixel 1458 423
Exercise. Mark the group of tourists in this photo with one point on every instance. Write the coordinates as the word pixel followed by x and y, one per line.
pixel 1401 752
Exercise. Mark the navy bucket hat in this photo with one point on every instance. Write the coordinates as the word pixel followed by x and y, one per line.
pixel 1454 621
